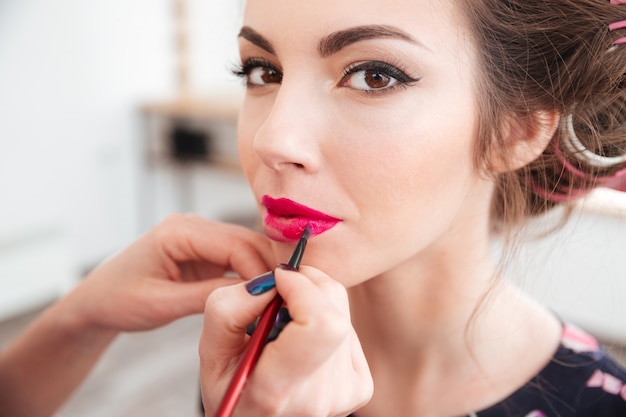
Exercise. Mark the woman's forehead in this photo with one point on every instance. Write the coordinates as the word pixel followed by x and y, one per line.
pixel 428 21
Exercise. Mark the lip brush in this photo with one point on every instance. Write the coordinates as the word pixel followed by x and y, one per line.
pixel 258 339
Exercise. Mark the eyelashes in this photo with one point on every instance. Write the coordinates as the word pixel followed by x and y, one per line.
pixel 258 71
pixel 375 76
pixel 372 77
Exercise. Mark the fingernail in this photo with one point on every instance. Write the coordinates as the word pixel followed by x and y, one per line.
pixel 286 267
pixel 261 284
pixel 282 319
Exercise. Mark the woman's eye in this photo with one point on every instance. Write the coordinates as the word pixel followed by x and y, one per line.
pixel 264 75
pixel 374 76
pixel 257 72
pixel 370 80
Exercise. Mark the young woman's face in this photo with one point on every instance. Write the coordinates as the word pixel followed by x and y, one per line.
pixel 360 120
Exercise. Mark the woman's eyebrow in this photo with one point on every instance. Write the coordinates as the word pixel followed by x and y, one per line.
pixel 336 41
pixel 257 39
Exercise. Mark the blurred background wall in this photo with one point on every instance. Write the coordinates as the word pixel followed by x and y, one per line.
pixel 73 77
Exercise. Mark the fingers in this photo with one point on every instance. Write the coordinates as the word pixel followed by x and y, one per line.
pixel 318 351
pixel 228 311
pixel 320 322
pixel 315 367
pixel 145 278
pixel 190 238
pixel 190 297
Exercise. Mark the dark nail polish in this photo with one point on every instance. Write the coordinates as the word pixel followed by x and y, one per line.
pixel 282 320
pixel 261 284
pixel 286 267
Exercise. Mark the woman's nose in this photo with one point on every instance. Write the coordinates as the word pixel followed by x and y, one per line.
pixel 289 136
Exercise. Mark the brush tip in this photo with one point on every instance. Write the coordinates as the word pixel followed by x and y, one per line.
pixel 306 233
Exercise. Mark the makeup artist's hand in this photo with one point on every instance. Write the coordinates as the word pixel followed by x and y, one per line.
pixel 164 275
pixel 168 273
pixel 316 367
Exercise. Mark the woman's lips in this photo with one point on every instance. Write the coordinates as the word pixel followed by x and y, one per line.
pixel 285 220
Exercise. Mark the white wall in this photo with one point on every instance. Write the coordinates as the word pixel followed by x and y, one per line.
pixel 73 74
pixel 580 270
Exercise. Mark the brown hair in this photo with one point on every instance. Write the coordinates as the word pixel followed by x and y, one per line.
pixel 557 55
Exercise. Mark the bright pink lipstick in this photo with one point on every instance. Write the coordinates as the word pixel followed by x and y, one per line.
pixel 285 220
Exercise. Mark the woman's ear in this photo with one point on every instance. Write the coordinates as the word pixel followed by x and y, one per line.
pixel 523 140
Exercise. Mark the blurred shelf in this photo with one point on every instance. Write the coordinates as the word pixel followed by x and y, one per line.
pixel 186 140
pixel 213 117
pixel 218 108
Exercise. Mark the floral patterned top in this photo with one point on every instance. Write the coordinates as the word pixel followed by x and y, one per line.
pixel 581 380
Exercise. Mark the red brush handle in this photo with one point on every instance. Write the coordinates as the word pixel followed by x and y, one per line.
pixel 250 357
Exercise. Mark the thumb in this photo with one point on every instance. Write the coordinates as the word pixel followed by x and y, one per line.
pixel 228 311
